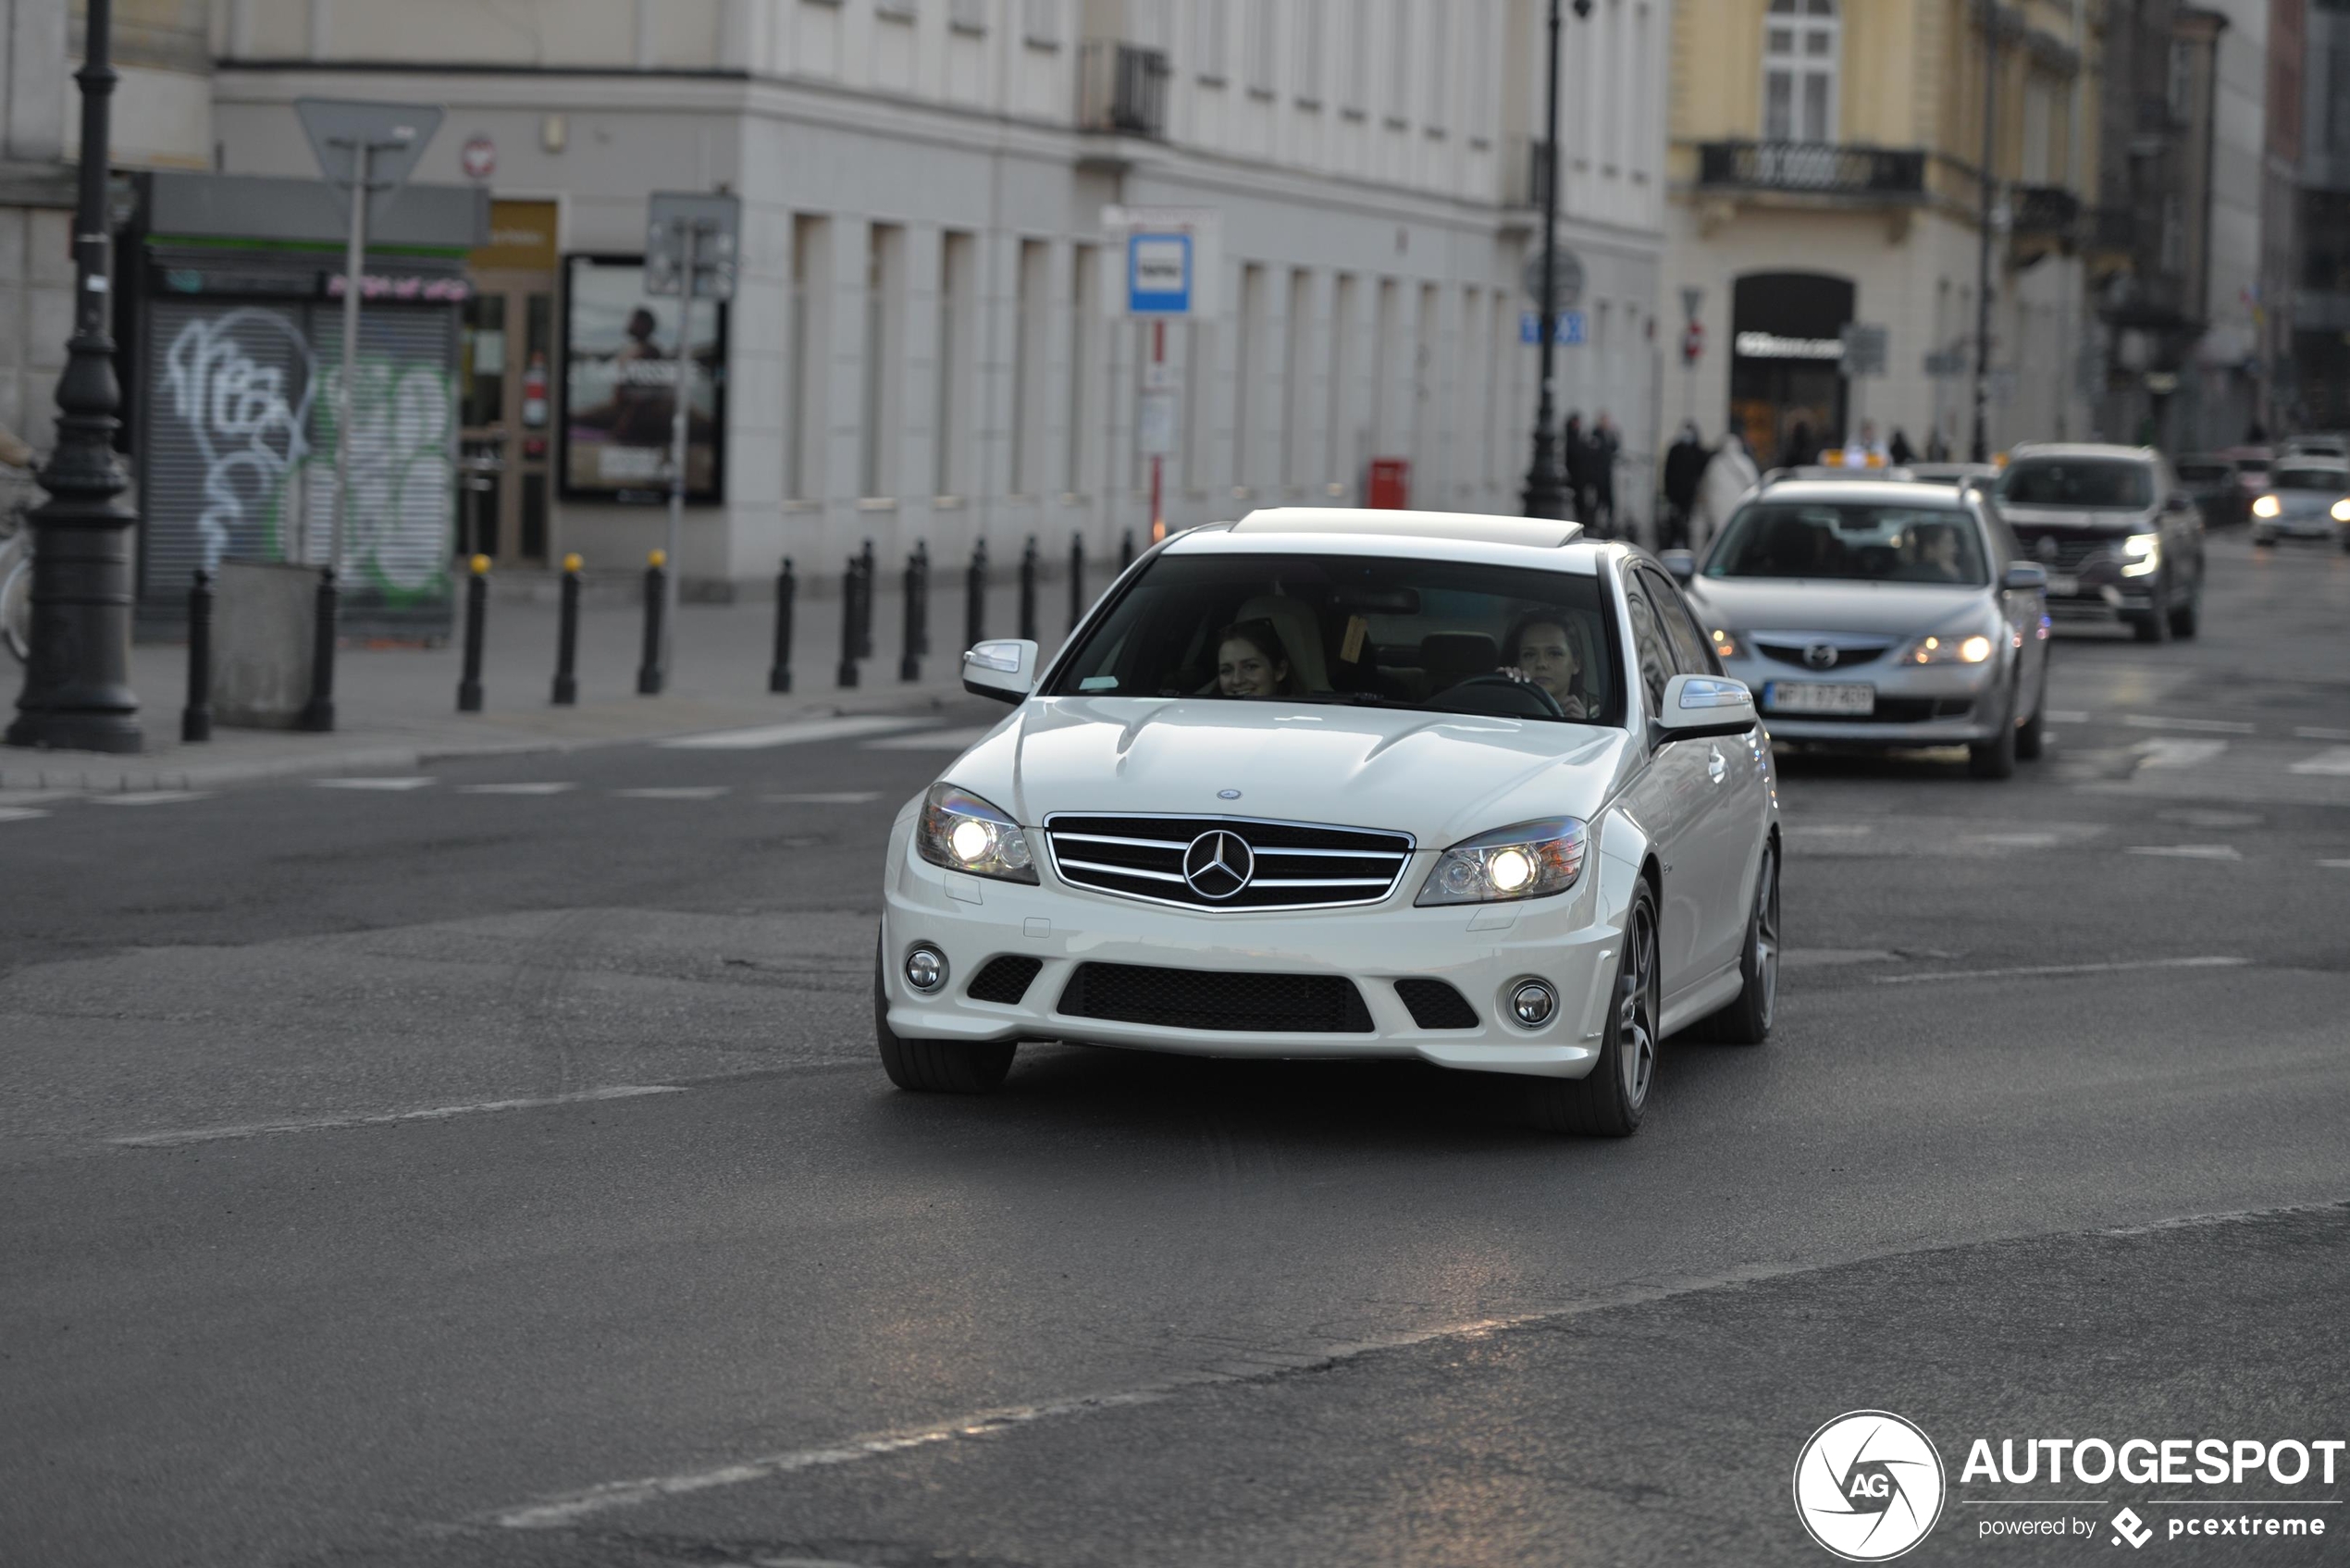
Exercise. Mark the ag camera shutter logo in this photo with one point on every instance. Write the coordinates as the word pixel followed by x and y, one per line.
pixel 1869 1486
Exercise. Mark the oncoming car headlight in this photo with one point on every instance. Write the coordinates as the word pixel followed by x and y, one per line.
pixel 2341 510
pixel 1726 644
pixel 2141 554
pixel 963 832
pixel 2267 506
pixel 1528 860
pixel 1948 650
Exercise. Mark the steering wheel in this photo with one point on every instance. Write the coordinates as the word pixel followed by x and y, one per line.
pixel 1545 704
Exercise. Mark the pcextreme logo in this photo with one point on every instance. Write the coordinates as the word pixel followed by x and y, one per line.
pixel 1869 1486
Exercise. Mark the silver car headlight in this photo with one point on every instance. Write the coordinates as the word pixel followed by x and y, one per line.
pixel 2141 553
pixel 963 832
pixel 1972 649
pixel 1528 860
pixel 2267 506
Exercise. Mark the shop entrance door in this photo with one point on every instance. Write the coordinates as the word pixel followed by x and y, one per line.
pixel 505 389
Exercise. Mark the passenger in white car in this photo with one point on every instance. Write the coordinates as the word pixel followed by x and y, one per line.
pixel 1250 661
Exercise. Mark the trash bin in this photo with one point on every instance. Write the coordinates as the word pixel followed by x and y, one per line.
pixel 264 616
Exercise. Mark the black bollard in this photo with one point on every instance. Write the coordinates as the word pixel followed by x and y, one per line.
pixel 909 663
pixel 567 638
pixel 868 574
pixel 1028 590
pixel 650 676
pixel 975 598
pixel 477 611
pixel 921 598
pixel 1076 578
pixel 1126 550
pixel 195 719
pixel 786 591
pixel 319 714
pixel 846 674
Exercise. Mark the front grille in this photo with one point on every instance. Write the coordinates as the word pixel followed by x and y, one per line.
pixel 1839 658
pixel 1436 1005
pixel 1267 1003
pixel 2072 551
pixel 1004 979
pixel 1291 865
pixel 1892 710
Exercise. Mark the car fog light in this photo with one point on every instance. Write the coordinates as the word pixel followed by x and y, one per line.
pixel 925 969
pixel 1534 1002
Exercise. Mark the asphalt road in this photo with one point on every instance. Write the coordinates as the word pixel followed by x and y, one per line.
pixel 491 1168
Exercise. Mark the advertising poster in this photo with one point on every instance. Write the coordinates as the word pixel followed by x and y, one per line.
pixel 620 374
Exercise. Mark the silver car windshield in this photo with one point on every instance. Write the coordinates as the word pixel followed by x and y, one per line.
pixel 1852 541
pixel 2335 480
pixel 1453 637
pixel 2096 483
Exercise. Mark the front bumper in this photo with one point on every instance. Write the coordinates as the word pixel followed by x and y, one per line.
pixel 1483 951
pixel 2308 525
pixel 1917 704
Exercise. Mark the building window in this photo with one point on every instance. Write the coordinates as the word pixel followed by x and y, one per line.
pixel 1356 97
pixel 1399 71
pixel 807 273
pixel 897 10
pixel 876 474
pixel 1293 414
pixel 1800 48
pixel 1263 47
pixel 2174 234
pixel 1310 38
pixel 1028 362
pixel 967 16
pixel 1083 268
pixel 956 279
pixel 2182 86
pixel 1338 460
pixel 1208 33
pixel 1439 29
pixel 1041 23
pixel 1248 338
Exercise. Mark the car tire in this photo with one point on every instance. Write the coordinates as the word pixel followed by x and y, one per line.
pixel 1995 758
pixel 2031 737
pixel 1609 1101
pixel 2187 618
pixel 2155 624
pixel 1747 1021
pixel 2267 542
pixel 937 1067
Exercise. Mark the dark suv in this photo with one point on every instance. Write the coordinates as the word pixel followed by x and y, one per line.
pixel 2120 537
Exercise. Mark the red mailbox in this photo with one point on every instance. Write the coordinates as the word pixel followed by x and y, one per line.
pixel 1391 486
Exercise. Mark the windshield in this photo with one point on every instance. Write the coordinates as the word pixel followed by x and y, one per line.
pixel 1449 635
pixel 2334 481
pixel 2205 473
pixel 2110 483
pixel 1856 541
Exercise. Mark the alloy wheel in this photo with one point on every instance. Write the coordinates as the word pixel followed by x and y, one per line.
pixel 1766 932
pixel 1635 1009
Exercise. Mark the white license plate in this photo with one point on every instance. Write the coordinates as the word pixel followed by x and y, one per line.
pixel 2064 585
pixel 1843 701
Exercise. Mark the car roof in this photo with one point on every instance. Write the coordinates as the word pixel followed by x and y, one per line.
pixel 1890 492
pixel 1537 543
pixel 2081 449
pixel 2313 459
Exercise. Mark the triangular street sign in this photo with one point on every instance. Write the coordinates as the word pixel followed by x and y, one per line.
pixel 394 134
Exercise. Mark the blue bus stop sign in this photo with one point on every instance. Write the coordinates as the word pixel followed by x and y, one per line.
pixel 1158 273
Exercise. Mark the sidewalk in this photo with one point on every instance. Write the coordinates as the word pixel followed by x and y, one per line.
pixel 396 707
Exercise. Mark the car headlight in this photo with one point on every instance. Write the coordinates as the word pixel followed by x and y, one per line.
pixel 2267 506
pixel 1529 860
pixel 2141 554
pixel 1726 644
pixel 963 832
pixel 1948 650
pixel 2341 510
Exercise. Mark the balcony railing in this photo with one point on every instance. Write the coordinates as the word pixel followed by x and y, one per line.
pixel 1122 89
pixel 1817 167
pixel 2044 212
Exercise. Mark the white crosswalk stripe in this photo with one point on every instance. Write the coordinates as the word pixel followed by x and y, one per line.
pixel 2189 851
pixel 2166 753
pixel 399 783
pixel 930 740
pixel 2335 762
pixel 2206 726
pixel 21 813
pixel 675 792
pixel 152 798
pixel 549 787
pixel 796 733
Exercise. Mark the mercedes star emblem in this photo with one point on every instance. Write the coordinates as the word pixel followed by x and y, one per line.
pixel 1820 656
pixel 1219 864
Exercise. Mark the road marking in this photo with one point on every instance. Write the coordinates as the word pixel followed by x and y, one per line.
pixel 824 797
pixel 2311 732
pixel 151 797
pixel 1831 830
pixel 1823 957
pixel 2014 840
pixel 414 782
pixel 2208 726
pixel 676 792
pixel 2335 762
pixel 21 813
pixel 2205 963
pixel 796 733
pixel 2335 864
pixel 2178 753
pixel 437 1113
pixel 2067 716
pixel 549 787
pixel 2188 851
pixel 930 740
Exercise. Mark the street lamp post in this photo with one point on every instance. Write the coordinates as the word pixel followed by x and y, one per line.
pixel 1546 480
pixel 77 685
pixel 1980 448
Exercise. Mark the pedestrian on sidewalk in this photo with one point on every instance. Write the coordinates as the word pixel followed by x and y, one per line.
pixel 1577 460
pixel 1729 476
pixel 1684 467
pixel 1600 466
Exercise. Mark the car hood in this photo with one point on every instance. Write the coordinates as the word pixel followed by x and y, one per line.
pixel 1438 776
pixel 2040 518
pixel 1811 604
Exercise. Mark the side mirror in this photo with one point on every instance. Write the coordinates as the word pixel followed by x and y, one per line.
pixel 2027 576
pixel 1005 671
pixel 1682 563
pixel 1698 706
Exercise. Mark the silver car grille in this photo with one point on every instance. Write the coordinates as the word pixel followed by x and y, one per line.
pixel 1815 653
pixel 1208 862
pixel 2072 551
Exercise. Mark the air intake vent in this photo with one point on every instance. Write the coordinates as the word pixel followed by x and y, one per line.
pixel 1004 980
pixel 1436 1005
pixel 1255 1003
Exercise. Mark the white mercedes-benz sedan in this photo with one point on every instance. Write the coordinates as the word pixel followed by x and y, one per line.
pixel 1337 784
